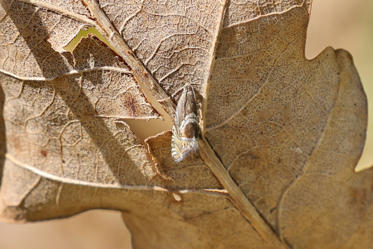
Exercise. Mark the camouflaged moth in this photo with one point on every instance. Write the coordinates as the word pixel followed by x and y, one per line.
pixel 185 130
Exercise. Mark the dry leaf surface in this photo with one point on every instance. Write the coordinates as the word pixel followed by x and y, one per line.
pixel 287 131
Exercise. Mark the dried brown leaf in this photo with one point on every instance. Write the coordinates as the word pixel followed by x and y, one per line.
pixel 281 134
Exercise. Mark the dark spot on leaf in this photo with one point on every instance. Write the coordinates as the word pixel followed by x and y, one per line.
pixel 131 104
pixel 130 52
pixel 43 153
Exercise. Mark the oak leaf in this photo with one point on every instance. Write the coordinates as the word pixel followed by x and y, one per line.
pixel 281 134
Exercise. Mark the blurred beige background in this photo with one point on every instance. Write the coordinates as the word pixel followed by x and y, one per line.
pixel 344 24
